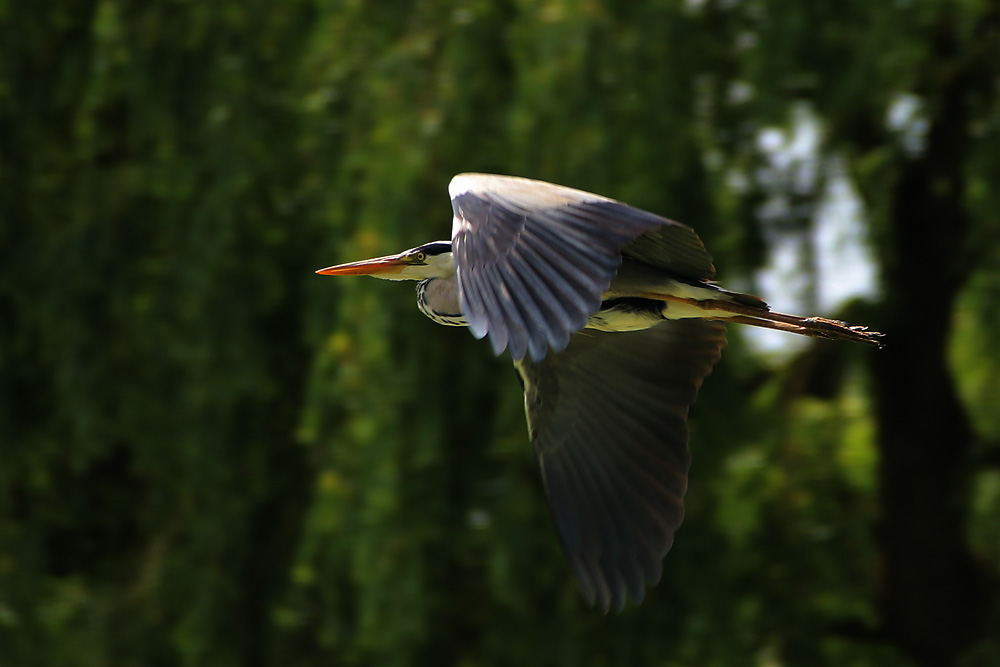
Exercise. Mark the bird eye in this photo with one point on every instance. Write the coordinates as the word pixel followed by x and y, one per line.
pixel 421 256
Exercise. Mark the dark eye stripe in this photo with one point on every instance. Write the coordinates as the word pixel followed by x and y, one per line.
pixel 435 248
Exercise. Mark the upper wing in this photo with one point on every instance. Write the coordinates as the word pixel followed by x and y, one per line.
pixel 675 248
pixel 533 259
pixel 608 421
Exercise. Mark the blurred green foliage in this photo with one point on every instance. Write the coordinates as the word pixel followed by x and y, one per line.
pixel 210 456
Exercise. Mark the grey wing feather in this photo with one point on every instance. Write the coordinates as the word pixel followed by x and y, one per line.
pixel 675 248
pixel 533 259
pixel 607 418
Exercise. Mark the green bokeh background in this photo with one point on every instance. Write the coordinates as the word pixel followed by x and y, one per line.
pixel 211 456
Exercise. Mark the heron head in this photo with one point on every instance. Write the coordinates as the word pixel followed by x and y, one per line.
pixel 431 260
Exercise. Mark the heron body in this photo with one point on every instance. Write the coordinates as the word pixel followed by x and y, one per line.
pixel 612 320
pixel 438 299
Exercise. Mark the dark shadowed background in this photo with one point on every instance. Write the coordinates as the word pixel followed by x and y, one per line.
pixel 211 456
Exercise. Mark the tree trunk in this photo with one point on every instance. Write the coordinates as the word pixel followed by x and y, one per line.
pixel 933 601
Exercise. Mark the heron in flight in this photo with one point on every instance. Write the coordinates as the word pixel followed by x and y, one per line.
pixel 612 320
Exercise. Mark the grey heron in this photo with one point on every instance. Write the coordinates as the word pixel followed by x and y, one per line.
pixel 612 320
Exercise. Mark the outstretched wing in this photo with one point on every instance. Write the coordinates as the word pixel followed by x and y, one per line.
pixel 607 418
pixel 533 259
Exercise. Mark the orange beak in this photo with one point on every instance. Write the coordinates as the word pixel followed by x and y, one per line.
pixel 366 267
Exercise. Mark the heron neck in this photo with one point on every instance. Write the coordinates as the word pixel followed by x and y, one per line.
pixel 437 298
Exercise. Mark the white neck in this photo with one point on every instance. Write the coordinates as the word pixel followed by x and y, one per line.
pixel 437 298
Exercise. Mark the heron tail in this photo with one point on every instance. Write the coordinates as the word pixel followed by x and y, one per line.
pixel 748 309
